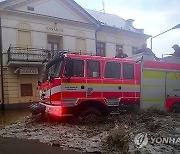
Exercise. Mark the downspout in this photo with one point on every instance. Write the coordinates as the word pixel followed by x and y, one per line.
pixel 1 59
pixel 97 30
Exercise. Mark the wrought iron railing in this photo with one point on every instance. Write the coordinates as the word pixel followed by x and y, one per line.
pixel 26 54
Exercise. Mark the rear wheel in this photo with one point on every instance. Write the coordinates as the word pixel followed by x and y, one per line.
pixel 90 115
pixel 176 107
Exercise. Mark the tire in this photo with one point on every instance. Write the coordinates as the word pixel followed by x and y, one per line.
pixel 90 115
pixel 176 107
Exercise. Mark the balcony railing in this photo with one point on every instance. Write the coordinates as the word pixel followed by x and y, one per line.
pixel 26 54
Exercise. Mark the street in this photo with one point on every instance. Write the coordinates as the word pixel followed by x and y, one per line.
pixel 23 146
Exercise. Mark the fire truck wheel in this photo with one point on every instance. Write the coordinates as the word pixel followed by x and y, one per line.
pixel 90 115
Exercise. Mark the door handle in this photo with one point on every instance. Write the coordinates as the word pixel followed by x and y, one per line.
pixel 82 87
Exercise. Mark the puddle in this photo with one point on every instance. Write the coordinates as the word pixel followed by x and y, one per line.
pixel 11 116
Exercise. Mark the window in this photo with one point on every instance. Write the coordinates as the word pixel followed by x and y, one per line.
pixel 117 47
pixel 24 38
pixel 134 50
pixel 100 49
pixel 78 69
pixel 30 8
pixel 128 71
pixel 26 90
pixel 93 69
pixel 112 70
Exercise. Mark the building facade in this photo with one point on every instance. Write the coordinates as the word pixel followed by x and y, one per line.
pixel 28 28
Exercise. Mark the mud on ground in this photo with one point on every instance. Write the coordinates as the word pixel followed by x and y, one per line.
pixel 114 134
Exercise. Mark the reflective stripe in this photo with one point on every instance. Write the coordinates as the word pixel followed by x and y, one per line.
pixel 161 100
pixel 174 76
pixel 54 90
pixel 154 74
pixel 101 87
pixel 153 89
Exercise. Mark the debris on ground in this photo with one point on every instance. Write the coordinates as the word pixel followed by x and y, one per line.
pixel 114 134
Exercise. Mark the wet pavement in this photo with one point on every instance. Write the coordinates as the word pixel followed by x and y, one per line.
pixel 10 145
pixel 8 117
pixel 22 146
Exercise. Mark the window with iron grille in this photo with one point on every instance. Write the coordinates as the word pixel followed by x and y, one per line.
pixel 100 49
pixel 26 90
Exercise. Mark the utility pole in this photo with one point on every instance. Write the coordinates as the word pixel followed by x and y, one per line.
pixel 103 5
pixel 1 63
pixel 175 27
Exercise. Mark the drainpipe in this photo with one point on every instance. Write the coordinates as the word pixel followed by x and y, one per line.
pixel 99 28
pixel 1 59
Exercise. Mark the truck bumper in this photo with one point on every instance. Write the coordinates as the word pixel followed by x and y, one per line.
pixel 58 111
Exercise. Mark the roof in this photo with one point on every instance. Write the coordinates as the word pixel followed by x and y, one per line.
pixel 96 17
pixel 114 21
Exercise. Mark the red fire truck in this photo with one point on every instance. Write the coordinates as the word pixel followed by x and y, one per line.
pixel 83 85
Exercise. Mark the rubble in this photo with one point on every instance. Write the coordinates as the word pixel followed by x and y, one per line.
pixel 114 134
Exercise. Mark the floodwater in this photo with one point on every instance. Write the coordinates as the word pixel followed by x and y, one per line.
pixel 8 117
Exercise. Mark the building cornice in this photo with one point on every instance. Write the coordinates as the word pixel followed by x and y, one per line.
pixel 128 32
pixel 45 17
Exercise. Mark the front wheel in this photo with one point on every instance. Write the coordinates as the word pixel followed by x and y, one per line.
pixel 90 115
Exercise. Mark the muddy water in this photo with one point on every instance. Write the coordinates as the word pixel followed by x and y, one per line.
pixel 11 116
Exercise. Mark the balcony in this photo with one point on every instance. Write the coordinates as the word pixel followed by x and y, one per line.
pixel 25 56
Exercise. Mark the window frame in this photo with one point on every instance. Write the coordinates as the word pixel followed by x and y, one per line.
pixel 84 69
pixel 22 90
pixel 120 77
pixel 124 71
pixel 87 68
pixel 101 48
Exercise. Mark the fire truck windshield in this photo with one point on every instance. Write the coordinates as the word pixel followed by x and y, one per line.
pixel 54 70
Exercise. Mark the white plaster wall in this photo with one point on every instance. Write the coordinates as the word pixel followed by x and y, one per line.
pixel 91 46
pixel 110 50
pixel 90 34
pixel 39 40
pixel 53 8
pixel 69 43
pixel 8 37
pixel 128 50
pixel 109 39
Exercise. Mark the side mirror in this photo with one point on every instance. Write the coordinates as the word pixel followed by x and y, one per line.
pixel 69 68
pixel 50 78
pixel 39 83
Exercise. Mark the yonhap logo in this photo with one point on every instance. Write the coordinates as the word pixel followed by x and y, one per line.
pixel 141 140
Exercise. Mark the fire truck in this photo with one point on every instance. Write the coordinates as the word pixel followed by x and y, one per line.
pixel 86 86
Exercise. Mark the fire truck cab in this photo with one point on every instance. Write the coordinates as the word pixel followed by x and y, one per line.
pixel 84 85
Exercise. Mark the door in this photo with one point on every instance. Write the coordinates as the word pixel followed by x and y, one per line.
pixel 74 88
pixel 153 89
pixel 27 88
pixel 112 83
pixel 94 79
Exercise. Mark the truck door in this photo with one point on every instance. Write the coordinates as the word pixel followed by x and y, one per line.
pixel 112 83
pixel 130 88
pixel 173 84
pixel 74 87
pixel 153 88
pixel 94 80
